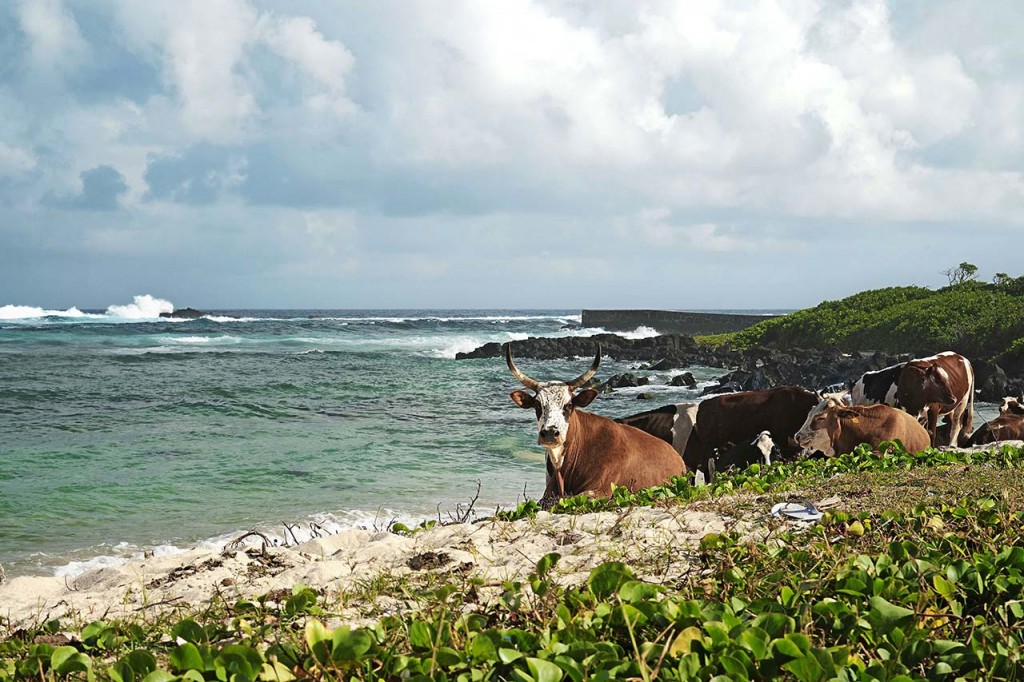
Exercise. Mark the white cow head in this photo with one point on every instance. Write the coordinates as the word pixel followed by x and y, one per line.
pixel 553 402
pixel 814 435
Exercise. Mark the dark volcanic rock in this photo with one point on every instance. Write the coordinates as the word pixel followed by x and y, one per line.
pixel 627 380
pixel 750 369
pixel 185 314
pixel 684 379
pixel 992 382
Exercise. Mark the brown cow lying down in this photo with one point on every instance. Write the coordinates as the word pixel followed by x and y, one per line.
pixel 587 453
pixel 833 428
pixel 1007 426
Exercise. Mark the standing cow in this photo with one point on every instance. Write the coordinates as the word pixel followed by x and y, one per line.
pixel 932 387
pixel 587 453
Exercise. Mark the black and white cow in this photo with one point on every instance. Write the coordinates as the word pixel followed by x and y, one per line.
pixel 759 451
pixel 878 387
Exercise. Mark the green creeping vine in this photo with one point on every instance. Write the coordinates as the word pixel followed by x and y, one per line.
pixel 758 479
pixel 933 593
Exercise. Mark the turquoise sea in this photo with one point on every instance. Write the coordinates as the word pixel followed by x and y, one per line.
pixel 122 432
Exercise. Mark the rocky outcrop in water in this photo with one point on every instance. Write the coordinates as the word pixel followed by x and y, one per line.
pixel 751 369
pixel 185 314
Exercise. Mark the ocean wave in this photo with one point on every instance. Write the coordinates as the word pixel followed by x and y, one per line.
pixel 142 307
pixel 26 312
pixel 202 339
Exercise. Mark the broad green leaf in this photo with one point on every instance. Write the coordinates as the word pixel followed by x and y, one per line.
pixel 683 642
pixel 190 631
pixel 888 615
pixel 276 672
pixel 608 577
pixel 787 648
pixel 421 635
pixel 187 657
pixel 943 587
pixel 546 563
pixel 633 591
pixel 67 659
pixel 806 669
pixel 159 676
pixel 544 671
pixel 350 645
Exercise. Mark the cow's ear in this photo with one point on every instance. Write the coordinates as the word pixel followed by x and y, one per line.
pixel 584 397
pixel 522 399
pixel 847 413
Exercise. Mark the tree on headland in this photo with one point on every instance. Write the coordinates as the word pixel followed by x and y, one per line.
pixel 961 273
pixel 1001 279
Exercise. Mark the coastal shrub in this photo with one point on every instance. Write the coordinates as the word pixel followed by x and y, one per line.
pixel 973 317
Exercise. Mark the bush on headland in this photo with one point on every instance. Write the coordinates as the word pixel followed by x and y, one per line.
pixel 933 591
pixel 973 318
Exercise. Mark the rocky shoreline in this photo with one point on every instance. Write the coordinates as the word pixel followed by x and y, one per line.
pixel 755 368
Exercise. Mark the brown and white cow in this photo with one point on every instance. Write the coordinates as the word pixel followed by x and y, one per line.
pixel 725 420
pixel 932 387
pixel 587 453
pixel 1007 426
pixel 671 423
pixel 1011 405
pixel 836 428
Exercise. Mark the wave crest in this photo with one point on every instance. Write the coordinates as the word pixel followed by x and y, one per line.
pixel 142 307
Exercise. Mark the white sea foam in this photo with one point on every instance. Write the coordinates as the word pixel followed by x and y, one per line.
pixel 26 312
pixel 142 307
pixel 317 525
pixel 224 318
pixel 202 339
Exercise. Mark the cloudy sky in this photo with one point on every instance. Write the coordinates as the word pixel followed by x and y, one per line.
pixel 560 154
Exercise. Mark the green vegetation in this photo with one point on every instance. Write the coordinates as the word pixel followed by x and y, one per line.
pixel 971 317
pixel 931 588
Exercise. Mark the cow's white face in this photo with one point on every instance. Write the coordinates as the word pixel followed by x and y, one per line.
pixel 554 404
pixel 827 400
pixel 814 435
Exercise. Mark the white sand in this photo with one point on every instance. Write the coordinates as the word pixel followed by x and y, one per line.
pixel 337 565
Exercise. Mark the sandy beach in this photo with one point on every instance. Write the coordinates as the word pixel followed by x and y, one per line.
pixel 337 565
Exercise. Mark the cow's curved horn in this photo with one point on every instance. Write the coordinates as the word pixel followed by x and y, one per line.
pixel 531 384
pixel 588 375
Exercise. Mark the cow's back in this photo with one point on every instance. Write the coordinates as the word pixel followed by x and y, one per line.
pixel 876 423
pixel 605 452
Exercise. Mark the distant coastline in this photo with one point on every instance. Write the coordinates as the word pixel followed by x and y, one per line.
pixel 694 322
